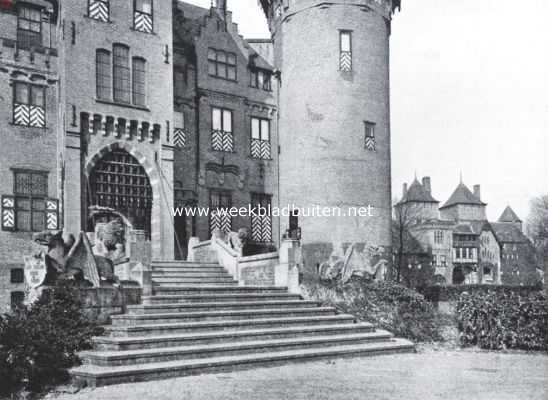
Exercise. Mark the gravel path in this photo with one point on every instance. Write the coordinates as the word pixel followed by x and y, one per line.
pixel 447 375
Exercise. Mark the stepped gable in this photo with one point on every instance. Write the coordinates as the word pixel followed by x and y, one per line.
pixel 463 195
pixel 198 320
pixel 192 19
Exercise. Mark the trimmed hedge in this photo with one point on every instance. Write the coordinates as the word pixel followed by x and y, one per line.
pixel 503 320
pixel 453 292
pixel 39 344
pixel 389 306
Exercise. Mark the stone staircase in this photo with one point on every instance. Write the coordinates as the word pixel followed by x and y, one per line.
pixel 199 320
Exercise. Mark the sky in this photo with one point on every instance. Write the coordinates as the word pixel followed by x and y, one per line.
pixel 469 95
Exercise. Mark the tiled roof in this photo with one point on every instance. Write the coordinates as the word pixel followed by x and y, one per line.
pixel 417 193
pixel 509 216
pixel 464 229
pixel 508 233
pixel 463 195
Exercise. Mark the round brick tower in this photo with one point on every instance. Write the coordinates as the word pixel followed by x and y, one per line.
pixel 334 119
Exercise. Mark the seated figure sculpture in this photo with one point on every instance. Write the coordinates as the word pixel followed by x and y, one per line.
pixel 70 258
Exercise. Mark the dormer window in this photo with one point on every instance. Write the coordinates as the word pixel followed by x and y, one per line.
pixel 261 80
pixel 29 27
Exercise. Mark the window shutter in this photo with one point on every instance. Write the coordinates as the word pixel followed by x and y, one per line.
pixel 8 213
pixel 52 214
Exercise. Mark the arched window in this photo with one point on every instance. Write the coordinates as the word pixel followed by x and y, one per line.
pixel 103 74
pixel 139 81
pixel 122 76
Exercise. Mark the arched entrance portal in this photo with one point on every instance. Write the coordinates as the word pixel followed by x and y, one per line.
pixel 119 182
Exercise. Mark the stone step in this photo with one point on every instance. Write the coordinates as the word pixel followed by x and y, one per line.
pixel 173 287
pixel 99 376
pixel 216 289
pixel 104 343
pixel 189 273
pixel 209 280
pixel 226 325
pixel 217 306
pixel 133 357
pixel 183 264
pixel 176 317
pixel 186 269
pixel 218 297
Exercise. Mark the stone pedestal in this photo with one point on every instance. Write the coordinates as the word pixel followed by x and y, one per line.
pixel 287 272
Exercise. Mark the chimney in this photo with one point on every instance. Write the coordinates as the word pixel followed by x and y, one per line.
pixel 404 191
pixel 219 4
pixel 477 191
pixel 426 184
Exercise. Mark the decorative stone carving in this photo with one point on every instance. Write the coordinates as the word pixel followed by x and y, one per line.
pixel 343 265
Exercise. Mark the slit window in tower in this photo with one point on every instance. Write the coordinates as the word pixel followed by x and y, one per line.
pixel 345 58
pixel 142 16
pixel 370 141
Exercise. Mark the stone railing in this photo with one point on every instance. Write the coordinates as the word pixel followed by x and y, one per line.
pixel 280 268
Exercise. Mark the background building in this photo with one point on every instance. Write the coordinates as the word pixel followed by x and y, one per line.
pixel 463 245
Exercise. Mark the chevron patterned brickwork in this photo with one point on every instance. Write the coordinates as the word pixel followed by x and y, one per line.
pixel 260 149
pixel 345 62
pixel 99 10
pixel 222 141
pixel 179 137
pixel 142 22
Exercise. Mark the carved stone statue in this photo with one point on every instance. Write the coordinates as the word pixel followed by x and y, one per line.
pixel 237 240
pixel 73 258
pixel 343 265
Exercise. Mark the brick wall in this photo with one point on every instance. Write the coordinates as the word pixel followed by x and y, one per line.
pixel 323 159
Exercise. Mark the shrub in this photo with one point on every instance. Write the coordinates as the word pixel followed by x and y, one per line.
pixel 39 343
pixel 389 306
pixel 503 320
pixel 438 293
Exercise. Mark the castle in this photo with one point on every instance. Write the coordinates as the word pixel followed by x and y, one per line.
pixel 132 108
pixel 456 244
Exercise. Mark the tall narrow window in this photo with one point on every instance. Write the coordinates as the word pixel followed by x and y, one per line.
pixel 345 59
pixel 370 140
pixel 29 27
pixel 219 203
pixel 221 64
pixel 222 138
pixel 121 73
pixel 139 82
pixel 30 192
pixel 261 222
pixel 29 105
pixel 99 10
pixel 179 130
pixel 260 138
pixel 103 75
pixel 142 17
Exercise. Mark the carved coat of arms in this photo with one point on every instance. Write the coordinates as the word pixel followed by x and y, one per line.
pixel 35 270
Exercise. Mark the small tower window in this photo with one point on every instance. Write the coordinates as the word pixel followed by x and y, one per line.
pixel 370 141
pixel 345 58
pixel 142 16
